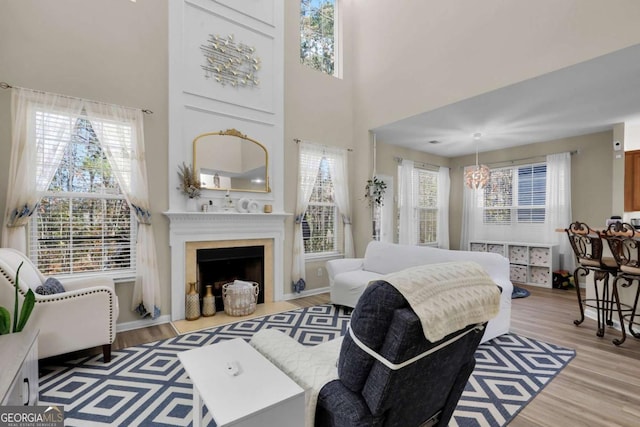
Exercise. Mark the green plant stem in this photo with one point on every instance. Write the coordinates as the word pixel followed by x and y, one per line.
pixel 19 319
pixel 15 300
pixel 5 321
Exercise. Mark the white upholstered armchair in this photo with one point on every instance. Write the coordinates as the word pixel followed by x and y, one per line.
pixel 82 316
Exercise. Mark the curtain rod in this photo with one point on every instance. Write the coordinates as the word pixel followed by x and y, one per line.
pixel 541 157
pixel 5 85
pixel 297 140
pixel 424 164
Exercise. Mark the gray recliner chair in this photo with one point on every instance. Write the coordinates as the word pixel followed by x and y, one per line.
pixel 380 386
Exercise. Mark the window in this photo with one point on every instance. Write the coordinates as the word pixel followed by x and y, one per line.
pixel 318 45
pixel 83 222
pixel 319 224
pixel 516 195
pixel 532 187
pixel 427 208
pixel 423 222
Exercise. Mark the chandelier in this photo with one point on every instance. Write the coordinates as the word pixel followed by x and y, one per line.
pixel 476 177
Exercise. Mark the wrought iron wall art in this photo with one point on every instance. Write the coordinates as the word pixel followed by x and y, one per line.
pixel 230 62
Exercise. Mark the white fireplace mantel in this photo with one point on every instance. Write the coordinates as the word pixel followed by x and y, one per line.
pixel 187 227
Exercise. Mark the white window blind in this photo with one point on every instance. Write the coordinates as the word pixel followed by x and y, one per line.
pixel 83 222
pixel 516 195
pixel 319 227
pixel 532 183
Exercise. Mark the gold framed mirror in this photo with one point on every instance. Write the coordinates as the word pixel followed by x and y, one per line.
pixel 230 160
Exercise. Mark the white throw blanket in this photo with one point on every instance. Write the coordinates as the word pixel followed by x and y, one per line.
pixel 310 366
pixel 447 297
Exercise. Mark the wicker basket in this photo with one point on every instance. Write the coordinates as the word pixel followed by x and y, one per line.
pixel 238 300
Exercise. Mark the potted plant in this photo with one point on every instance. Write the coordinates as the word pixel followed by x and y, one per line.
pixel 19 321
pixel 374 191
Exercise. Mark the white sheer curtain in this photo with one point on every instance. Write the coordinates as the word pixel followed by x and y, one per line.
pixel 471 216
pixel 309 157
pixel 338 168
pixel 120 132
pixel 56 116
pixel 558 209
pixel 387 214
pixel 408 232
pixel 444 184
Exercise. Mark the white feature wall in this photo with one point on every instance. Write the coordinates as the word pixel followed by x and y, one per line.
pixel 198 104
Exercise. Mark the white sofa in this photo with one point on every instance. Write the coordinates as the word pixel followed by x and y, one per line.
pixel 349 277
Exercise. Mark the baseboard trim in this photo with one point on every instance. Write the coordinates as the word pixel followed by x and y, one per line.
pixel 142 323
pixel 591 314
pixel 308 293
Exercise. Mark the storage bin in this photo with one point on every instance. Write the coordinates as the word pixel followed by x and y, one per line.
pixel 518 273
pixel 495 248
pixel 540 256
pixel 240 297
pixel 478 247
pixel 540 275
pixel 518 254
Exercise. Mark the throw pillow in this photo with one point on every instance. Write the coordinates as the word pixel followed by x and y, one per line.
pixel 50 286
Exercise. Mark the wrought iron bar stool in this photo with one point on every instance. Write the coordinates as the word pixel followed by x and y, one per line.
pixel 587 247
pixel 625 247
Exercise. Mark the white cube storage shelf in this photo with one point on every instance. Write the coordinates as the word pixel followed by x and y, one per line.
pixel 531 263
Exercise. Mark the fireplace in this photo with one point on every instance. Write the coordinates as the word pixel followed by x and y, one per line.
pixel 217 266
pixel 190 232
pixel 223 261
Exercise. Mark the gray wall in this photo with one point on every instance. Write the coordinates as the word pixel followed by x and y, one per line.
pixel 110 51
pixel 116 51
pixel 591 174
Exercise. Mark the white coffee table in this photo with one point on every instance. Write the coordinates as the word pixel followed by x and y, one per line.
pixel 259 395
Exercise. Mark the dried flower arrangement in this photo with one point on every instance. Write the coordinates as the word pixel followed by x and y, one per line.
pixel 189 184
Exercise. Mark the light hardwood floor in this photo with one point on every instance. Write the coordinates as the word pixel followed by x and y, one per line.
pixel 600 387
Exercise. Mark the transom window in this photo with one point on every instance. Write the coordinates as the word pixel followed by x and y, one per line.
pixel 319 225
pixel 516 195
pixel 318 44
pixel 83 222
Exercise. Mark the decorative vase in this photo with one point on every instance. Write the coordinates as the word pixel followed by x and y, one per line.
pixel 192 205
pixel 192 311
pixel 209 302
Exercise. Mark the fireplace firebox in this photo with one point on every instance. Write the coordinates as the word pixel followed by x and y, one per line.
pixel 218 266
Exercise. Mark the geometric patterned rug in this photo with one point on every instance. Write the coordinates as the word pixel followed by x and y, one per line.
pixel 146 385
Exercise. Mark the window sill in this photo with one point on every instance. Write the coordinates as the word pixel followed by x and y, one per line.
pixel 430 245
pixel 119 277
pixel 325 256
